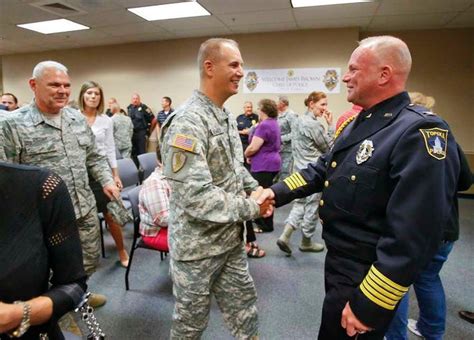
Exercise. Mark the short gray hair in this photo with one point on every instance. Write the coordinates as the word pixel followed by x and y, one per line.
pixel 42 66
pixel 211 49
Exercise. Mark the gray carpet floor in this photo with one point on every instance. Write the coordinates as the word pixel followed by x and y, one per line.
pixel 290 289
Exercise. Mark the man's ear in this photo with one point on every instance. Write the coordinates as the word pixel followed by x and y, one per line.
pixel 385 74
pixel 32 83
pixel 208 68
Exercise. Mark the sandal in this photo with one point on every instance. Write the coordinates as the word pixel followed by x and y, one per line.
pixel 254 252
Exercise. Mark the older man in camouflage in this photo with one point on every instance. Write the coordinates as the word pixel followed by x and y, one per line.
pixel 203 161
pixel 286 120
pixel 46 133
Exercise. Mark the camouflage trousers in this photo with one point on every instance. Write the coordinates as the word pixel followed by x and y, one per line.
pixel 126 153
pixel 89 234
pixel 286 165
pixel 304 214
pixel 227 277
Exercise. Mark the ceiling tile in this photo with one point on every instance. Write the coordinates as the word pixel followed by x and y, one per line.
pixel 105 18
pixel 189 24
pixel 19 13
pixel 204 32
pixel 129 29
pixel 241 6
pixel 362 22
pixel 271 27
pixel 391 7
pixel 336 12
pixel 465 19
pixel 418 21
pixel 261 17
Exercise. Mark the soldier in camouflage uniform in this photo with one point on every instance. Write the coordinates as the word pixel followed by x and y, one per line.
pixel 203 162
pixel 310 141
pixel 48 134
pixel 286 119
pixel 123 131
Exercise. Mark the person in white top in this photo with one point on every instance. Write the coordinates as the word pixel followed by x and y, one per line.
pixel 91 104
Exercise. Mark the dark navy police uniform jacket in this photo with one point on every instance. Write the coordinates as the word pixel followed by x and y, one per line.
pixel 388 189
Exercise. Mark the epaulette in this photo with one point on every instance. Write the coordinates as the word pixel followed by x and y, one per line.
pixel 344 125
pixel 421 110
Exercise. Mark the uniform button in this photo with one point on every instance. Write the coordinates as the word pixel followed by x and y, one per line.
pixel 321 203
pixel 333 164
pixel 326 184
pixel 353 177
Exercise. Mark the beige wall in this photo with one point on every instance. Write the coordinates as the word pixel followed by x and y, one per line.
pixel 443 68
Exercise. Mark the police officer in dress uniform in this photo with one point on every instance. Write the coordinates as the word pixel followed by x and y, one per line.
pixel 203 162
pixel 388 186
pixel 141 117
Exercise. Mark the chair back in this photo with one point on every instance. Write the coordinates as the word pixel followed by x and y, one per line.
pixel 128 172
pixel 133 195
pixel 147 162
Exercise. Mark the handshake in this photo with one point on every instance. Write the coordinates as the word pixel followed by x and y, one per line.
pixel 265 199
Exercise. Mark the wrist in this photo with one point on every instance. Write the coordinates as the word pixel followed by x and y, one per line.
pixel 20 315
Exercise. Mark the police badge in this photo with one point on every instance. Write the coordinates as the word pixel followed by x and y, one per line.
pixel 331 79
pixel 251 80
pixel 365 151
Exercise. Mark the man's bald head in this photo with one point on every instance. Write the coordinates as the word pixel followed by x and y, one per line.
pixel 211 49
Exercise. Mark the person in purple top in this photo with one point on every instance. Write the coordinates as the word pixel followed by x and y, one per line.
pixel 263 152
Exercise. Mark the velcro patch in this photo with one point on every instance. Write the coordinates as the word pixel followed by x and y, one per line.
pixel 436 142
pixel 184 142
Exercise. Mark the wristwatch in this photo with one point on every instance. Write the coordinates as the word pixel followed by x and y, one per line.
pixel 25 320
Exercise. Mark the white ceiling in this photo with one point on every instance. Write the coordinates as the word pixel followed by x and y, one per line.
pixel 111 23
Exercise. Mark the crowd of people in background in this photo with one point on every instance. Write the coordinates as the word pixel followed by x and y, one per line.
pixel 218 175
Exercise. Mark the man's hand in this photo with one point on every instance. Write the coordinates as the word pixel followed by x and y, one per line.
pixel 266 202
pixel 111 191
pixel 351 324
pixel 266 206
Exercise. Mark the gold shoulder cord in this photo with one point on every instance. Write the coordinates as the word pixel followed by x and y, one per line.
pixel 343 125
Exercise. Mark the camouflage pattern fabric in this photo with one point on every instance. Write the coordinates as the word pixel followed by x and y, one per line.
pixel 69 150
pixel 286 121
pixel 89 234
pixel 123 131
pixel 310 141
pixel 304 215
pixel 206 205
pixel 203 163
pixel 227 277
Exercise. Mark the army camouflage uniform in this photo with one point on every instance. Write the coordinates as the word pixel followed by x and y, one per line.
pixel 286 121
pixel 69 150
pixel 310 140
pixel 203 162
pixel 123 132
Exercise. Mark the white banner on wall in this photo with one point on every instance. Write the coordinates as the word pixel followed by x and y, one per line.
pixel 292 80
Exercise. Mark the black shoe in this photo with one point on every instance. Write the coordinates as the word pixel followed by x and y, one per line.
pixel 468 316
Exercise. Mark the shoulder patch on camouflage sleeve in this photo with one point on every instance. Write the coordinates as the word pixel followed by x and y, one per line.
pixel 184 142
pixel 178 159
pixel 436 142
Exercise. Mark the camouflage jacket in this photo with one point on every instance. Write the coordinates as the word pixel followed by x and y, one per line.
pixel 123 131
pixel 286 121
pixel 203 162
pixel 69 150
pixel 310 140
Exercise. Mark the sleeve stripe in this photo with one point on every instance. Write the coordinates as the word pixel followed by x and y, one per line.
pixel 374 299
pixel 390 285
pixel 375 281
pixel 294 181
pixel 380 293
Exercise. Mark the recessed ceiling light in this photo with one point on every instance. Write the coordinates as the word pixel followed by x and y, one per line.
pixel 311 3
pixel 54 26
pixel 170 11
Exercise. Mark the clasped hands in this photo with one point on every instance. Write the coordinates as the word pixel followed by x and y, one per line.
pixel 265 200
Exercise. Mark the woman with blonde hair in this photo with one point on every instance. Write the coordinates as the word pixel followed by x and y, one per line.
pixel 91 103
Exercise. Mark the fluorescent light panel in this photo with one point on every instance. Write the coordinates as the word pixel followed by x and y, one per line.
pixel 54 26
pixel 312 3
pixel 170 11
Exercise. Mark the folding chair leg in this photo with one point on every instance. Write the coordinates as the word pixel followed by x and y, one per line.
pixel 102 239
